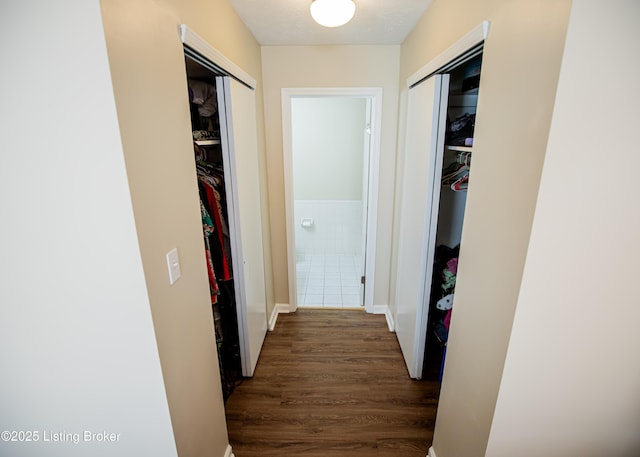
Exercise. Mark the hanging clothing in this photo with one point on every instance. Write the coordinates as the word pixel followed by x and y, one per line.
pixel 208 230
pixel 204 95
pixel 211 184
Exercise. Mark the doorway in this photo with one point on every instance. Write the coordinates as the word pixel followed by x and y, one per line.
pixel 331 140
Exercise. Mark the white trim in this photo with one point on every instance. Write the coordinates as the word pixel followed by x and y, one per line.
pixel 375 94
pixel 431 453
pixel 431 222
pixel 390 322
pixel 380 309
pixel 279 308
pixel 228 452
pixel 197 43
pixel 384 309
pixel 288 197
pixel 470 40
pixel 373 196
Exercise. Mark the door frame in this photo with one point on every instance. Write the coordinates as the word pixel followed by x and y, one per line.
pixel 374 94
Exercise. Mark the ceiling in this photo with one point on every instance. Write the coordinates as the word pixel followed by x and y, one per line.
pixel 288 22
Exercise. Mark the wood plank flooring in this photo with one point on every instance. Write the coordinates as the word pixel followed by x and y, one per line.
pixel 331 383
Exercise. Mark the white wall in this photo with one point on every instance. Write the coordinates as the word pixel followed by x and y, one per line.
pixel 77 344
pixel 336 229
pixel 571 384
pixel 327 147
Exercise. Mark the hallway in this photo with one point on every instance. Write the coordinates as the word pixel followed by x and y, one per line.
pixel 331 383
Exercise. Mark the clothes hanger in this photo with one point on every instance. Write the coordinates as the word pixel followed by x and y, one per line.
pixel 461 184
pixel 456 175
pixel 451 168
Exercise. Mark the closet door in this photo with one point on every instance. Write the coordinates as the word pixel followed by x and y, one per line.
pixel 238 131
pixel 424 147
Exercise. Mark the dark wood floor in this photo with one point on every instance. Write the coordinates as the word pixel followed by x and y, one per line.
pixel 331 383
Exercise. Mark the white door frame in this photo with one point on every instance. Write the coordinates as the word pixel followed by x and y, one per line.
pixel 375 95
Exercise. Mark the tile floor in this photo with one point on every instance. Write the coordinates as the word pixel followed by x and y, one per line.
pixel 329 281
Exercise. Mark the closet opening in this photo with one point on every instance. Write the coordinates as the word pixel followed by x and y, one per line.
pixel 441 109
pixel 212 190
pixel 222 102
pixel 462 101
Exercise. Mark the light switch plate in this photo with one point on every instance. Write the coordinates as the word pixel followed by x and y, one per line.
pixel 174 265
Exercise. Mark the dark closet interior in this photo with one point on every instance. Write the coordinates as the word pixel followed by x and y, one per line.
pixel 461 111
pixel 205 121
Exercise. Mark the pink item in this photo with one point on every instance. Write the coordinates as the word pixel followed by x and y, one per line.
pixel 452 265
pixel 447 320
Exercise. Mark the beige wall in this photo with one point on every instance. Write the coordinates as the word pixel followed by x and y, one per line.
pixel 217 23
pixel 519 76
pixel 330 66
pixel 149 81
pixel 77 343
pixel 570 384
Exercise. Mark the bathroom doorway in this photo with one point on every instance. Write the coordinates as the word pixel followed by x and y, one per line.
pixel 331 147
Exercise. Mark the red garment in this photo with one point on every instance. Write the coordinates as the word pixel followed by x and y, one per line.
pixel 213 205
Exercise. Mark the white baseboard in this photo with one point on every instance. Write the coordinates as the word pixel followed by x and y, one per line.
pixel 384 309
pixel 380 309
pixel 390 322
pixel 431 453
pixel 229 451
pixel 277 309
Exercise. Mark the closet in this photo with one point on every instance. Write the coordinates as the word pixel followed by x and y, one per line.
pixel 441 111
pixel 454 178
pixel 223 118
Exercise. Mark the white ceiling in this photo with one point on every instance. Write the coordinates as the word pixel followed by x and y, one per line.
pixel 288 22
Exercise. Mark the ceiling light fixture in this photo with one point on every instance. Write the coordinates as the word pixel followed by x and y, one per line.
pixel 332 13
